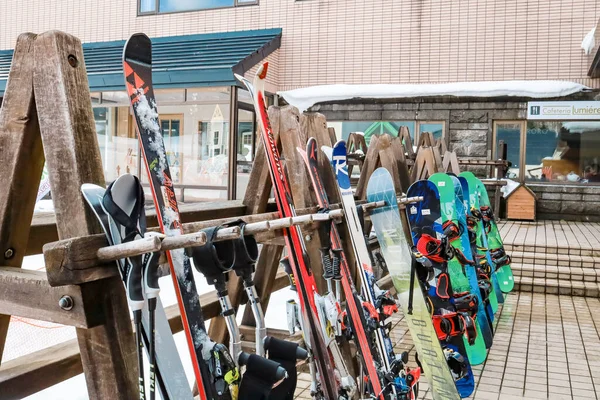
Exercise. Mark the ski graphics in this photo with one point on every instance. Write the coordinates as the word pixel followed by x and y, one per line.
pixel 353 302
pixel 304 279
pixel 426 228
pixel 496 297
pixel 395 249
pixel 361 251
pixel 484 278
pixel 499 256
pixel 459 274
pixel 137 65
pixel 170 374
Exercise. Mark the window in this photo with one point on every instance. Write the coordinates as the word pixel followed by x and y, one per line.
pixel 560 151
pixel 551 151
pixel 216 138
pixel 509 132
pixel 170 6
pixel 369 128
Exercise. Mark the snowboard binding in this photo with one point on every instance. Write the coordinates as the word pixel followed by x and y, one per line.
pixel 457 363
pixel 454 324
pixel 499 257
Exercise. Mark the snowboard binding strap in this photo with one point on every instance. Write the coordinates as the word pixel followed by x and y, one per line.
pixel 457 363
pixel 485 288
pixel 466 302
pixel 499 257
pixel 437 250
pixel 454 324
pixel 452 230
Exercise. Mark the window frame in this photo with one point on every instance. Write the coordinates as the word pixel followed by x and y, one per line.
pixel 522 142
pixel 236 3
pixel 418 129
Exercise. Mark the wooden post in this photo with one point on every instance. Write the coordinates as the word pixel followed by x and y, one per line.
pixel 22 160
pixel 63 103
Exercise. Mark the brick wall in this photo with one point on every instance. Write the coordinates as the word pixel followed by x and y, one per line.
pixel 568 202
pixel 357 41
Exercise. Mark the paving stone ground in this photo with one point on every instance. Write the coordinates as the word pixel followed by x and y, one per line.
pixel 545 347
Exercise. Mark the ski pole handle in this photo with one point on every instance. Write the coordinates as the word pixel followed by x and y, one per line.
pixel 150 274
pixel 133 285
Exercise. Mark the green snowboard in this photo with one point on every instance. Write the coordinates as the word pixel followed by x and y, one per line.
pixel 504 272
pixel 482 243
pixel 459 277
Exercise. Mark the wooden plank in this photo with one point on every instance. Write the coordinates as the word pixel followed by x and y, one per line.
pixel 402 167
pixel 43 225
pixel 22 159
pixel 370 164
pixel 26 293
pixel 67 126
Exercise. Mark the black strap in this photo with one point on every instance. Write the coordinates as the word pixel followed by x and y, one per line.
pixel 213 258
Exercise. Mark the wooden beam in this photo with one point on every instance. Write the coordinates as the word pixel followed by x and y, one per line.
pixel 37 371
pixel 22 160
pixel 75 261
pixel 67 127
pixel 26 293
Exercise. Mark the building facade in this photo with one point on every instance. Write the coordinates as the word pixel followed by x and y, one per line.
pixel 325 42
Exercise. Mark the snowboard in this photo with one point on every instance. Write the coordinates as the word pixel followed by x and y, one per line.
pixel 170 374
pixel 491 301
pixel 503 272
pixel 471 270
pixel 463 278
pixel 425 219
pixel 481 236
pixel 137 65
pixel 396 251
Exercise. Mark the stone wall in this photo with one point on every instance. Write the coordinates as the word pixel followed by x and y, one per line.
pixel 569 202
pixel 469 132
pixel 468 125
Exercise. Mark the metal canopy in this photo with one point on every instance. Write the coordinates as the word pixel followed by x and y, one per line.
pixel 177 61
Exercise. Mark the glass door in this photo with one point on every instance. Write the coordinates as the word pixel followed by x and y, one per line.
pixel 171 126
pixel 246 147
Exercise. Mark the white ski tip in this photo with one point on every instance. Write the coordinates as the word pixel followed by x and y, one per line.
pixel 239 77
pixel 328 152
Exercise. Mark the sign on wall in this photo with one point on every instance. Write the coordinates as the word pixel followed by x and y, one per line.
pixel 563 110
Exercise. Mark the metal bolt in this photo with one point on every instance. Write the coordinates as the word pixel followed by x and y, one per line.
pixel 9 253
pixel 308 238
pixel 66 303
pixel 73 62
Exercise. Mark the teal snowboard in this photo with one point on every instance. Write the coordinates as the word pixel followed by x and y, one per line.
pixel 482 241
pixel 398 257
pixel 462 277
pixel 499 256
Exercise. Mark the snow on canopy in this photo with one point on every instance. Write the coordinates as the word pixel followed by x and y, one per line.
pixel 304 98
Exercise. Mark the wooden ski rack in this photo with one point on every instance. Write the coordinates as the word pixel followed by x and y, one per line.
pixel 47 116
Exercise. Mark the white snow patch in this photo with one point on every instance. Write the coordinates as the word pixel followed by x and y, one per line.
pixel 148 116
pixel 588 42
pixel 306 97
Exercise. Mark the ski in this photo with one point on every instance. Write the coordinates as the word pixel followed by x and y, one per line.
pixel 305 280
pixel 137 64
pixel 170 374
pixel 353 302
pixel 453 327
pixel 460 269
pixel 361 251
pixel 396 251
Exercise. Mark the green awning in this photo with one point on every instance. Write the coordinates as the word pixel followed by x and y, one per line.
pixel 178 61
